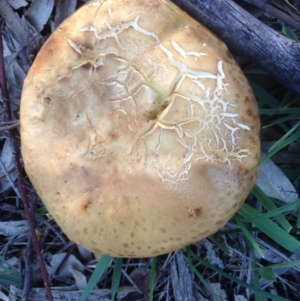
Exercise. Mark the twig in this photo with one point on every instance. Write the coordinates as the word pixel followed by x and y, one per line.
pixel 66 257
pixel 276 13
pixel 8 117
pixel 9 122
pixel 9 127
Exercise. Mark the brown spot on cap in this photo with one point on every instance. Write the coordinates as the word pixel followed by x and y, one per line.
pixel 194 212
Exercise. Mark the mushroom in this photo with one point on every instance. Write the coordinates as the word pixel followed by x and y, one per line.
pixel 138 128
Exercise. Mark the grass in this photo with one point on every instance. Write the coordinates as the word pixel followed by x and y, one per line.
pixel 255 256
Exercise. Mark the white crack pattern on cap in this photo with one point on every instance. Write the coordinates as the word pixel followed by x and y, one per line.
pixel 208 113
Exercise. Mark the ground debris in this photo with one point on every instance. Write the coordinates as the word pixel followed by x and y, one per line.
pixel 181 279
pixel 39 294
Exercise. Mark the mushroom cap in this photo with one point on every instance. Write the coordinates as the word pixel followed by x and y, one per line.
pixel 138 128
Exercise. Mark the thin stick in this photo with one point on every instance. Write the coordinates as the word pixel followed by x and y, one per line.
pixel 8 117
pixel 9 127
pixel 276 13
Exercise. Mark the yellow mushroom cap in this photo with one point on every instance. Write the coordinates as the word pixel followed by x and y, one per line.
pixel 138 128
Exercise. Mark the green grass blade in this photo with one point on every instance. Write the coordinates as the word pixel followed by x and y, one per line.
pixel 281 120
pixel 219 244
pixel 291 173
pixel 285 137
pixel 298 220
pixel 268 274
pixel 116 277
pixel 286 208
pixel 289 33
pixel 236 280
pixel 272 230
pixel 279 111
pixel 282 144
pixel 98 272
pixel 255 276
pixel 186 254
pixel 275 149
pixel 200 277
pixel 286 264
pixel 11 279
pixel 9 275
pixel 263 96
pixel 248 235
pixel 255 72
pixel 289 99
pixel 269 205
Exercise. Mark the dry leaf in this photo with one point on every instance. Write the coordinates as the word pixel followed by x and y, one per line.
pixel 124 291
pixel 181 279
pixel 287 156
pixel 6 49
pixel 211 255
pixel 3 297
pixel 8 161
pixel 216 287
pixel 14 22
pixel 13 293
pixel 17 3
pixel 13 228
pixel 15 75
pixel 199 297
pixel 85 255
pixel 141 277
pixel 80 279
pixel 240 298
pixel 39 12
pixel 63 10
pixel 274 183
pixel 55 260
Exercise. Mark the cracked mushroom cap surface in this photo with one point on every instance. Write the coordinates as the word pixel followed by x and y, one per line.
pixel 138 128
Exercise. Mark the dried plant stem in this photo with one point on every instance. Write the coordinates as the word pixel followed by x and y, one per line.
pixel 68 254
pixel 27 270
pixel 8 127
pixel 289 17
pixel 276 13
pixel 8 117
